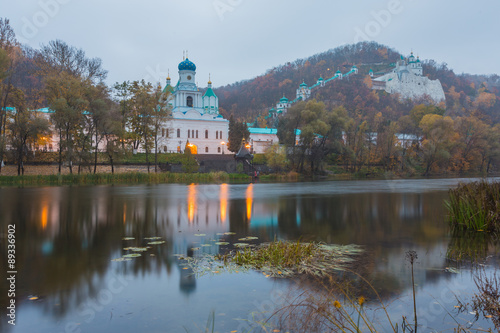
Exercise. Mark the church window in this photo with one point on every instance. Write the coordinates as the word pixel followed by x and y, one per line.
pixel 163 132
pixel 197 134
pixel 189 101
pixel 206 149
pixel 220 135
pixel 216 134
pixel 178 132
pixel 165 149
pixel 206 134
pixel 167 133
pixel 218 149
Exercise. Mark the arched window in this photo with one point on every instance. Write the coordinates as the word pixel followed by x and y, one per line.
pixel 189 101
pixel 216 134
pixel 220 135
pixel 206 134
pixel 178 132
pixel 218 149
pixel 189 133
pixel 197 134
pixel 206 149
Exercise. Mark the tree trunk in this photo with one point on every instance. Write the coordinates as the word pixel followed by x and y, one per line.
pixel 156 153
pixel 60 151
pixel 95 155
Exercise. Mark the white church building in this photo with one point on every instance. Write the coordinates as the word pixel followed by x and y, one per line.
pixel 407 79
pixel 195 123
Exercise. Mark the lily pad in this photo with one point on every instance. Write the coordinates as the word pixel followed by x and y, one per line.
pixel 132 255
pixel 222 243
pixel 229 233
pixel 156 243
pixel 248 238
pixel 200 235
pixel 206 244
pixel 121 259
pixel 128 238
pixel 152 238
pixel 241 244
pixel 136 249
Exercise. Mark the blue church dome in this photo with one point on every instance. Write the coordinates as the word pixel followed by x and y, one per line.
pixel 187 65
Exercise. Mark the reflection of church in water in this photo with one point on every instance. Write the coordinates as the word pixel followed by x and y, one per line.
pixel 196 123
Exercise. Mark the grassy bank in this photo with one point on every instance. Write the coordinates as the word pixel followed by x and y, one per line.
pixel 119 178
pixel 475 206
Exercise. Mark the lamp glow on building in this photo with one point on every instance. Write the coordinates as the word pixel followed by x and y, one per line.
pixel 222 143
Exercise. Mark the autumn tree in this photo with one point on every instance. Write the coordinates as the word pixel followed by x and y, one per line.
pixel 238 131
pixel 65 96
pixel 24 129
pixel 148 112
pixel 469 144
pixel 436 146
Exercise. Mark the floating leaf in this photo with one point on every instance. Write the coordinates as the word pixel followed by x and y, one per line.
pixel 33 298
pixel 121 259
pixel 206 244
pixel 156 243
pixel 128 238
pixel 220 234
pixel 229 233
pixel 132 255
pixel 222 243
pixel 199 235
pixel 241 244
pixel 248 238
pixel 136 249
pixel 152 238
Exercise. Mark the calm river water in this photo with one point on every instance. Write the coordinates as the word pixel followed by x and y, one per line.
pixel 67 237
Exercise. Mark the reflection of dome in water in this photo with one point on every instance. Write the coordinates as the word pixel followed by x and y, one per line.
pixel 188 281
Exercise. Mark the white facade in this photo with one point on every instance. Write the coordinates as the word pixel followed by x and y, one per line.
pixel 408 81
pixel 195 123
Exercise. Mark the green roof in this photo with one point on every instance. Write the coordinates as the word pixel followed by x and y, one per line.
pixel 168 88
pixel 209 93
pixel 303 84
pixel 284 100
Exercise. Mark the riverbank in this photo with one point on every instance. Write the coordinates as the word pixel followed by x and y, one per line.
pixel 126 175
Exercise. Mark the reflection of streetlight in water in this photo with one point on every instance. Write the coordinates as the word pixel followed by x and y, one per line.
pixel 191 205
pixel 249 200
pixel 223 202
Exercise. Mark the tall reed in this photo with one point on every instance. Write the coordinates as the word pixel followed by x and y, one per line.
pixel 475 206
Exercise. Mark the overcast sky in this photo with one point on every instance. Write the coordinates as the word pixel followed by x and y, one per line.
pixel 240 39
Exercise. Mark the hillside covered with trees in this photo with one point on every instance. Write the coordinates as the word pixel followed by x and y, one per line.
pixel 465 93
pixel 346 124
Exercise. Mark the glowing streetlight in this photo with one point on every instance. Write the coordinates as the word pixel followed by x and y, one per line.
pixel 222 143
